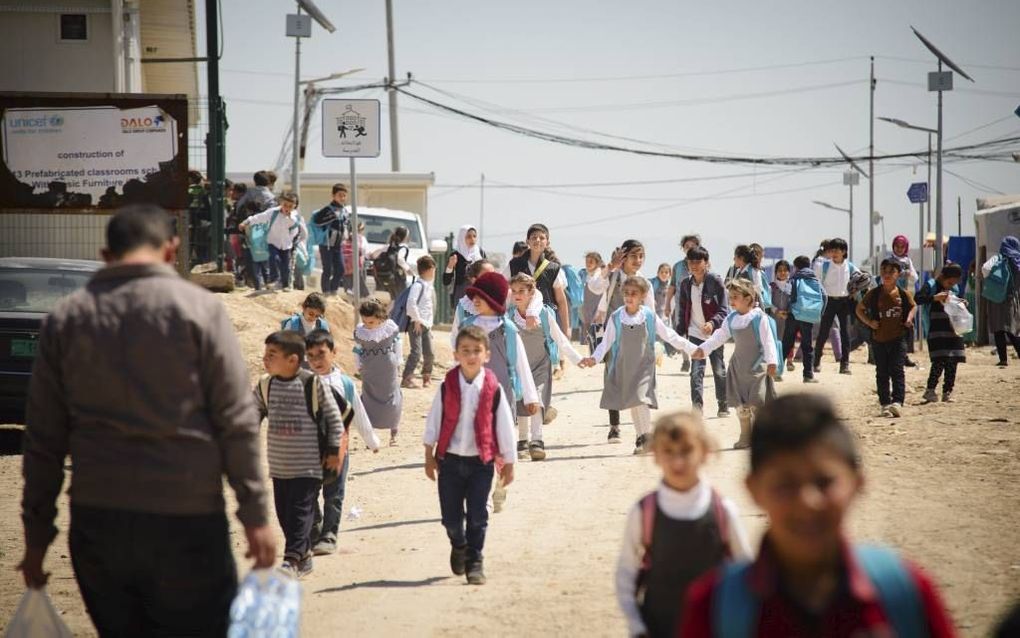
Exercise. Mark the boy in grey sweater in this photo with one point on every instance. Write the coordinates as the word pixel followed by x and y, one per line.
pixel 298 406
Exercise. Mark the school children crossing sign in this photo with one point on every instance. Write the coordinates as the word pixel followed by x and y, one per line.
pixel 350 128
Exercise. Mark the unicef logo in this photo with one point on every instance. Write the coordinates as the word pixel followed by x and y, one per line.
pixel 56 121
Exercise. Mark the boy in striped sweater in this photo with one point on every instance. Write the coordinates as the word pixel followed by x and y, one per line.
pixel 298 406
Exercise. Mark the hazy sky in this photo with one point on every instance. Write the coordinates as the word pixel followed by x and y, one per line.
pixel 732 77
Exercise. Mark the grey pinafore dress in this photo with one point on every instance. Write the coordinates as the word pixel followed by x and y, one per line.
pixel 747 380
pixel 498 362
pixel 380 388
pixel 631 381
pixel 540 363
pixel 780 301
pixel 589 307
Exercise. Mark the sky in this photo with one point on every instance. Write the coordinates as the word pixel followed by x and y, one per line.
pixel 739 77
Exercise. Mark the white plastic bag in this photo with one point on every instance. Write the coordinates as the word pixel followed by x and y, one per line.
pixel 36 618
pixel 267 605
pixel 959 316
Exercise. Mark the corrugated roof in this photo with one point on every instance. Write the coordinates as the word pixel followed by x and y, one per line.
pixel 168 31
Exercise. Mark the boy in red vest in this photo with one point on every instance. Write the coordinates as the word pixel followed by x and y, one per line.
pixel 469 425
pixel 809 579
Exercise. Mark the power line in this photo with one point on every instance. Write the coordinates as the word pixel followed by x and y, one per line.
pixel 644 182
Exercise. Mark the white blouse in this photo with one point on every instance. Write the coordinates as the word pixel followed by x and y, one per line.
pixel 723 334
pixel 663 331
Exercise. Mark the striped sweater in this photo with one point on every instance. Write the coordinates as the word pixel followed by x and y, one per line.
pixel 292 438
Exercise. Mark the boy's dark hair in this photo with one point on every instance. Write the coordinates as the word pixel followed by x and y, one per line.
pixel 239 187
pixel 686 238
pixel 782 263
pixel 951 271
pixel 317 338
pixel 291 342
pixel 793 422
pixel 698 253
pixel 891 263
pixel 398 235
pixel 339 188
pixel 261 178
pixel 425 263
pixel 271 175
pixel 472 333
pixel 315 302
pixel 744 252
pixel 138 225
pixel 289 196
pixel 802 261
pixel 839 244
pixel 519 248
pixel 474 269
pixel 372 307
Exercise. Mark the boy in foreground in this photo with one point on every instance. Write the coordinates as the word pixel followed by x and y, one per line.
pixel 809 579
pixel 469 425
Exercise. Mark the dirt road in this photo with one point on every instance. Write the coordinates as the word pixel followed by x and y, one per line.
pixel 942 487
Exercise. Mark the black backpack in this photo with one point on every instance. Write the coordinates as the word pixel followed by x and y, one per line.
pixel 385 264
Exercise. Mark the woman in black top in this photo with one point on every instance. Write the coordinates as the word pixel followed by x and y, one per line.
pixel 466 250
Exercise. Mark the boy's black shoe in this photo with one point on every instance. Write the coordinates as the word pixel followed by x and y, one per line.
pixel 475 573
pixel 844 370
pixel 642 445
pixel 909 363
pixel 817 369
pixel 458 560
pixel 614 417
pixel 614 434
pixel 522 449
pixel 537 451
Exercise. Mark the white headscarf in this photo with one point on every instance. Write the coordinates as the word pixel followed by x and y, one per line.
pixel 473 253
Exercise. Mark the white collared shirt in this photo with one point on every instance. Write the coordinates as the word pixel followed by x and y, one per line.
pixel 462 443
pixel 686 506
pixel 522 367
pixel 359 418
pixel 836 277
pixel 421 302
pixel 663 331
pixel 286 229
pixel 697 311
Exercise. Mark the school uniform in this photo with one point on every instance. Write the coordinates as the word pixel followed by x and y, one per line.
pixel 377 355
pixel 326 523
pixel 550 276
pixel 792 326
pixel 297 323
pixel 686 541
pixel 333 218
pixel 470 423
pixel 284 231
pixel 945 348
pixel 590 305
pixel 747 381
pixel 855 609
pixel 698 304
pixel 537 350
pixel 834 278
pixel 499 359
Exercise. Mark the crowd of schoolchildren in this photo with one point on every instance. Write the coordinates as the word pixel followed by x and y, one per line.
pixel 686 567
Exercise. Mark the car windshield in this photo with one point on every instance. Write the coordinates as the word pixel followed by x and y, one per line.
pixel 37 290
pixel 378 229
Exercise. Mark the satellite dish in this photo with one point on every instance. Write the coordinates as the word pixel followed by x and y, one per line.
pixel 940 55
pixel 852 163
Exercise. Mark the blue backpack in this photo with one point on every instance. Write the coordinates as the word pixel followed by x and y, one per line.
pixel 293 322
pixel 810 302
pixel 995 287
pixel 398 312
pixel 618 325
pixel 735 609
pixel 258 242
pixel 575 293
pixel 544 317
pixel 510 334
pixel 756 328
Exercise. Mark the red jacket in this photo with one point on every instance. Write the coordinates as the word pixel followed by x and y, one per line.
pixel 485 421
pixel 855 612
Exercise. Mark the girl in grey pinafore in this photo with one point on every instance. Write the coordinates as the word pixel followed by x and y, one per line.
pixel 748 384
pixel 379 352
pixel 540 363
pixel 589 307
pixel 499 363
pixel 631 380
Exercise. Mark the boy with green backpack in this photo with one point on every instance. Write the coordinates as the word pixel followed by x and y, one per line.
pixel 809 579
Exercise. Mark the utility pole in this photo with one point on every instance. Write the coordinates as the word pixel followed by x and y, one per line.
pixel 295 171
pixel 928 227
pixel 481 211
pixel 939 257
pixel 851 178
pixel 214 146
pixel 871 174
pixel 392 92
pixel 959 216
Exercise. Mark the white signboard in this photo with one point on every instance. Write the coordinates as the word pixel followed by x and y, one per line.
pixel 350 128
pixel 90 150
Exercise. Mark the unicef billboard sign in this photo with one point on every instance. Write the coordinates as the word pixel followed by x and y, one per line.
pixel 84 153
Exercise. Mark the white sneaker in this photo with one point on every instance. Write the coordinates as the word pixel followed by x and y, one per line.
pixel 896 410
pixel 887 410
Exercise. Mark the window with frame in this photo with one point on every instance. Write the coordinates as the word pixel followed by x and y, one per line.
pixel 74 27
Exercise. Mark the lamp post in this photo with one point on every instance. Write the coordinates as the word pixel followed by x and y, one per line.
pixel 921 226
pixel 300 26
pixel 939 81
pixel 851 178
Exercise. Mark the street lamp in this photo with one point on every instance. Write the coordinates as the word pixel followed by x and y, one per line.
pixel 852 178
pixel 939 81
pixel 850 211
pixel 300 26
pixel 920 223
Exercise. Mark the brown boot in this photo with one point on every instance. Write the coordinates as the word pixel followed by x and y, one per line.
pixel 745 415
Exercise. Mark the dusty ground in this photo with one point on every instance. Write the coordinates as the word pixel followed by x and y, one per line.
pixel 942 487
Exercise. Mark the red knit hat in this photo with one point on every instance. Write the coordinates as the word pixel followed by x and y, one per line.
pixel 493 288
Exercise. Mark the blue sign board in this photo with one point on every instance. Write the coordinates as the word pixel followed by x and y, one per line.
pixel 1017 111
pixel 918 192
pixel 773 253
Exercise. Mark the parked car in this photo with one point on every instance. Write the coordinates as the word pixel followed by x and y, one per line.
pixel 380 223
pixel 29 290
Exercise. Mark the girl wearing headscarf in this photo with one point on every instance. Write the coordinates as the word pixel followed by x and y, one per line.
pixel 1004 317
pixel 907 281
pixel 466 250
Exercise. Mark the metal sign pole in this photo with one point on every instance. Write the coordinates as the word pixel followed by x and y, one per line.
pixel 355 241
pixel 920 252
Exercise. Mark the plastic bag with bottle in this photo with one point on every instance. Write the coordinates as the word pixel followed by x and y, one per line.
pixel 36 618
pixel 959 316
pixel 268 604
